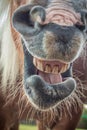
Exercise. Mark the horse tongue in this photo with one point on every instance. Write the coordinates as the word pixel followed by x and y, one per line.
pixel 51 78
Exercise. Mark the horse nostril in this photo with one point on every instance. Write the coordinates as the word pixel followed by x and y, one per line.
pixel 38 15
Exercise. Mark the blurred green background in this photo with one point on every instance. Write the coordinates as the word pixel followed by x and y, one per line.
pixel 25 127
pixel 81 126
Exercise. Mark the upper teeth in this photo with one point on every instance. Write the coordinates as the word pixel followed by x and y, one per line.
pixel 55 69
pixel 47 67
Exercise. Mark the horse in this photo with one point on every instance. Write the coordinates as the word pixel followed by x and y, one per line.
pixel 42 63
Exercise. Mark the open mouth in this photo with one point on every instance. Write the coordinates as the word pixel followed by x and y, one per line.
pixel 50 71
pixel 50 84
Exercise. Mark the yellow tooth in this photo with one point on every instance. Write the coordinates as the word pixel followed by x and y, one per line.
pixel 35 61
pixel 67 66
pixel 48 69
pixel 64 68
pixel 55 70
pixel 40 65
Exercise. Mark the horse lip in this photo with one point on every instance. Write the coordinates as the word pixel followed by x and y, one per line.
pixel 48 95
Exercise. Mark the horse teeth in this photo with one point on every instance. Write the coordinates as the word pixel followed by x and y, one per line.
pixel 35 61
pixel 64 68
pixel 38 64
pixel 48 69
pixel 55 70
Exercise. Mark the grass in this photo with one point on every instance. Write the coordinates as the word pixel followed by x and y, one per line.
pixel 26 127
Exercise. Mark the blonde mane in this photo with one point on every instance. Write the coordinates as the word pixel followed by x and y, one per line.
pixel 9 60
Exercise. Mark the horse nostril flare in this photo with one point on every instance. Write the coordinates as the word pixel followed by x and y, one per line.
pixel 38 15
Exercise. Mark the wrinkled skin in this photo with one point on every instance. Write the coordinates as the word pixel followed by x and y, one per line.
pixel 49 51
